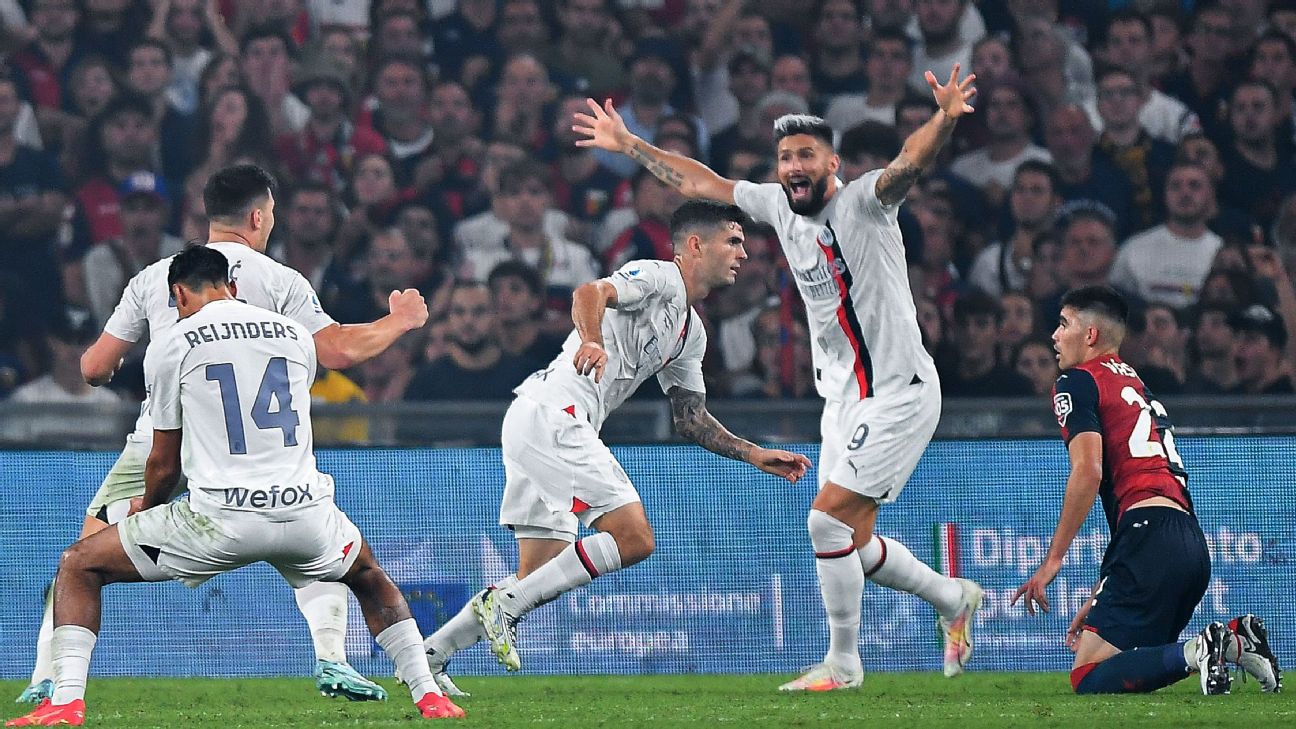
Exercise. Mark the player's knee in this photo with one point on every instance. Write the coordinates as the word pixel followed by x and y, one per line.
pixel 828 535
pixel 635 544
pixel 75 559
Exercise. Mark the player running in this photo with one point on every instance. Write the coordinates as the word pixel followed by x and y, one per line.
pixel 634 324
pixel 1157 567
pixel 240 205
pixel 231 394
pixel 882 394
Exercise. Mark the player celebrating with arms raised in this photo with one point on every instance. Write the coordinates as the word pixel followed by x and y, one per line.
pixel 1157 567
pixel 231 394
pixel 843 244
pixel 637 323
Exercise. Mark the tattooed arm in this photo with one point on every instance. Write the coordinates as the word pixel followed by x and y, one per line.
pixel 605 129
pixel 921 148
pixel 691 419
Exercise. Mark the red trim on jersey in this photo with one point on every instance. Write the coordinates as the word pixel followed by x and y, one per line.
pixel 837 554
pixel 579 506
pixel 585 560
pixel 1079 673
pixel 570 410
pixel 880 562
pixel 347 549
pixel 846 316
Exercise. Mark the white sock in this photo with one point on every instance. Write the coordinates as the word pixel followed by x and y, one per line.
pixel 460 631
pixel 890 564
pixel 44 667
pixel 577 565
pixel 404 646
pixel 73 645
pixel 841 585
pixel 324 605
pixel 1190 654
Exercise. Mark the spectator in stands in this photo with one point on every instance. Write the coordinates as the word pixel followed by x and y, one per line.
pixel 397 32
pixel 474 366
pixel 731 312
pixel 32 202
pixel 1213 340
pixel 1258 353
pixel 486 229
pixel 1018 322
pixel 1144 159
pixel 464 41
pixel 62 383
pixel 265 57
pixel 182 25
pixel 1088 249
pixel 390 264
pixel 749 82
pixel 92 84
pixel 791 73
pixel 148 73
pixel 1010 122
pixel 1260 168
pixel 518 295
pixel 1165 347
pixel 120 142
pixel 781 367
pixel 385 377
pixel 838 62
pixel 584 51
pixel 400 91
pixel 522 105
pixel 145 209
pixel 992 59
pixel 649 237
pixel 1273 59
pixel 971 366
pixel 233 125
pixel 890 62
pixel 1203 84
pixel 44 66
pixel 1033 204
pixel 310 218
pixel 563 265
pixel 222 72
pixel 371 196
pixel 942 46
pixel 521 29
pixel 328 144
pixel 1089 179
pixel 1129 46
pixel 931 323
pixel 422 230
pixel 654 78
pixel 1036 361
pixel 729 29
pixel 449 171
pixel 583 188
pixel 1168 264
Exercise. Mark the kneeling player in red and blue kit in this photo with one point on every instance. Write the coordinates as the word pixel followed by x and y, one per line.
pixel 1157 567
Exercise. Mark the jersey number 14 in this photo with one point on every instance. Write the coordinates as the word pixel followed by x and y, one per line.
pixel 274 386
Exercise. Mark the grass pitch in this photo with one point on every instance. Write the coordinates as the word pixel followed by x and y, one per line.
pixel 991 700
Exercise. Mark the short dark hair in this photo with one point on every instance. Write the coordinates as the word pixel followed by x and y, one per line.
pixel 1274 36
pixel 231 192
pixel 264 31
pixel 198 267
pixel 870 137
pixel 1101 300
pixel 513 176
pixel 1127 15
pixel 151 43
pixel 976 303
pixel 1040 167
pixel 518 270
pixel 703 216
pixel 790 124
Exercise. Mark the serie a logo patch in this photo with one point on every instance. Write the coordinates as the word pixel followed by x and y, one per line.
pixel 1062 407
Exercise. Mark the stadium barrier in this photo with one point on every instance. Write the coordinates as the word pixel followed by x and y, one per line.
pixel 730 589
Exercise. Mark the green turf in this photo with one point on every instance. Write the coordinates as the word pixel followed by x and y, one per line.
pixel 887 700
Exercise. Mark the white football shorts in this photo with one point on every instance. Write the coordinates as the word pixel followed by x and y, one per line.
pixel 125 481
pixel 872 446
pixel 557 473
pixel 174 542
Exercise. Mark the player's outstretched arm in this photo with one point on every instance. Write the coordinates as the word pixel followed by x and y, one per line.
pixel 922 146
pixel 605 129
pixel 339 346
pixel 1085 450
pixel 162 470
pixel 693 421
pixel 100 361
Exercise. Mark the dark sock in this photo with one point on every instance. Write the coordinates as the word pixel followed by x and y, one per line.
pixel 1135 671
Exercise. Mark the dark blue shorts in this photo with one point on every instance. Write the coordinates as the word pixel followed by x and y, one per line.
pixel 1154 574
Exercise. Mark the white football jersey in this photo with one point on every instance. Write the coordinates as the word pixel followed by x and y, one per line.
pixel 236 378
pixel 849 265
pixel 652 331
pixel 146 306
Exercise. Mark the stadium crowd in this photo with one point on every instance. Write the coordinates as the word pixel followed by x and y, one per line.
pixel 1149 145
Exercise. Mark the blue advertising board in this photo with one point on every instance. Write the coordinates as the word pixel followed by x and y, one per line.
pixel 731 587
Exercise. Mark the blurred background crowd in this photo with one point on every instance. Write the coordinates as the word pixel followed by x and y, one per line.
pixel 427 143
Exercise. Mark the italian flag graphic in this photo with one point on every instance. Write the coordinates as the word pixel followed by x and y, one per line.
pixel 947 550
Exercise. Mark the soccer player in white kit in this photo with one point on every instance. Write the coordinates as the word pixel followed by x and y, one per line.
pixel 882 396
pixel 240 204
pixel 559 475
pixel 230 401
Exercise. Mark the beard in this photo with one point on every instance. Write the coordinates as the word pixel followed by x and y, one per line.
pixel 813 204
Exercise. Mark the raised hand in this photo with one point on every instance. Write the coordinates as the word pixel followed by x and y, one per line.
pixel 604 128
pixel 953 97
pixel 408 307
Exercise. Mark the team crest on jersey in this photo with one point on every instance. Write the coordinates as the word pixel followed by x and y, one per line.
pixel 1062 407
pixel 826 238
